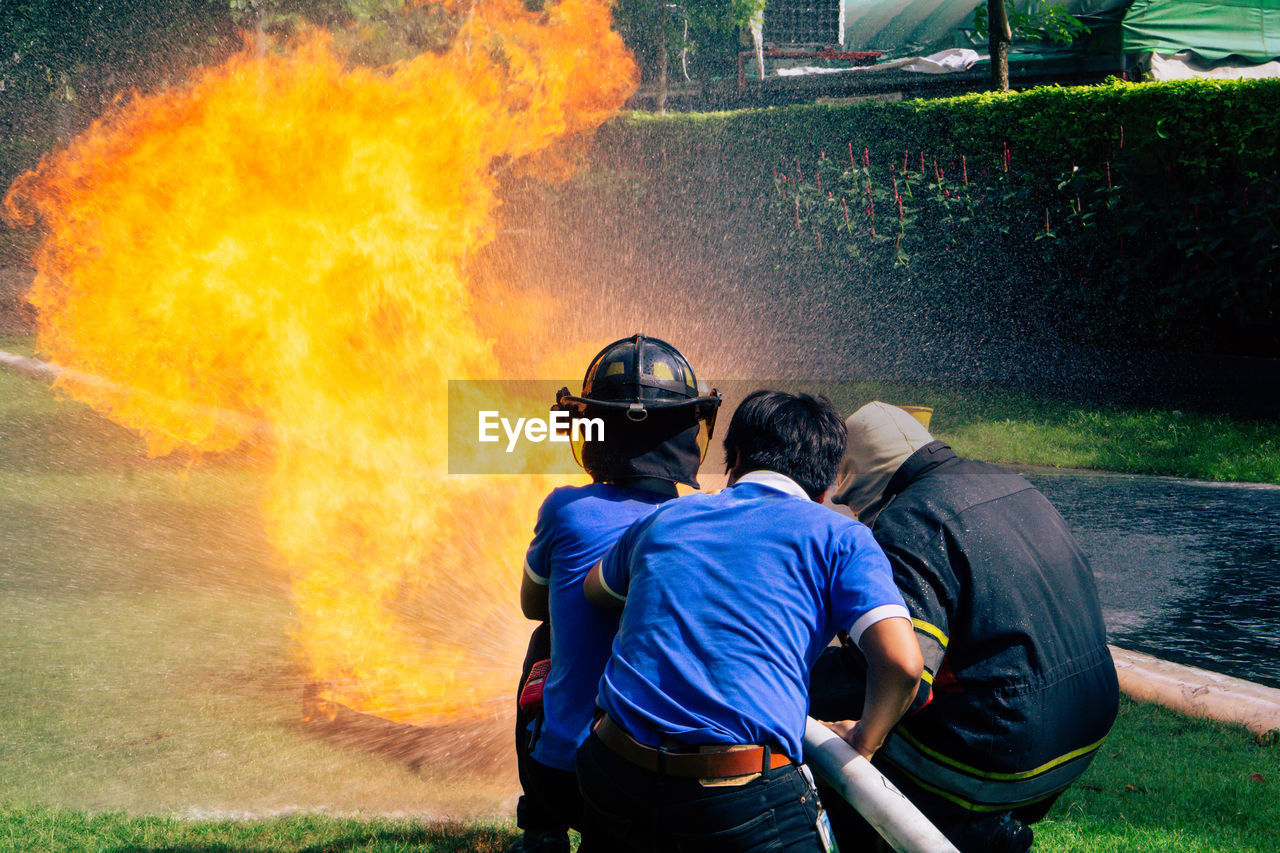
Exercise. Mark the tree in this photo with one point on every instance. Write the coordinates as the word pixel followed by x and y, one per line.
pixel 1000 22
pixel 62 63
pixel 371 32
pixel 998 37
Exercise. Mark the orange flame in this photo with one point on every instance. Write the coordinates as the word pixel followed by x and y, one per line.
pixel 285 238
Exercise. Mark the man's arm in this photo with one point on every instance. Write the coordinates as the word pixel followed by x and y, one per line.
pixel 929 586
pixel 534 600
pixel 894 664
pixel 598 592
pixel 535 580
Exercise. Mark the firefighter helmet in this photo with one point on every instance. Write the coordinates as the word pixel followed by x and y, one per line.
pixel 646 395
pixel 637 374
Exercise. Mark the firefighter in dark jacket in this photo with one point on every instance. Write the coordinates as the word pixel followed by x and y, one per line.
pixel 1019 689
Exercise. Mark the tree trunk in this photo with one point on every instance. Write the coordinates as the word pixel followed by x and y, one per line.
pixel 660 100
pixel 757 41
pixel 998 37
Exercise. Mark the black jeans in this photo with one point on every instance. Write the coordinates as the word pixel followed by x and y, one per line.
pixel 554 796
pixel 550 803
pixel 634 809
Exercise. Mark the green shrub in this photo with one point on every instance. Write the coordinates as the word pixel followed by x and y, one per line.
pixel 1137 214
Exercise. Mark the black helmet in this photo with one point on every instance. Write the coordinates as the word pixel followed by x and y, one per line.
pixel 658 423
pixel 637 374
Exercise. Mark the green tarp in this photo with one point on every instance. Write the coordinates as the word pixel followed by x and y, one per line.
pixel 1214 30
pixel 1246 28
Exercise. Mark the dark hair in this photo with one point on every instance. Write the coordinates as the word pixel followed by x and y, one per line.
pixel 798 435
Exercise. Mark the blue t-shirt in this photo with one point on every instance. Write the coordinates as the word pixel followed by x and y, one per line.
pixel 575 526
pixel 729 600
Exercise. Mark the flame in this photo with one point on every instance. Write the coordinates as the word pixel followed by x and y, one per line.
pixel 285 238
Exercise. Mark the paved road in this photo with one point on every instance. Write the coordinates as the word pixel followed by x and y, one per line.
pixel 1187 570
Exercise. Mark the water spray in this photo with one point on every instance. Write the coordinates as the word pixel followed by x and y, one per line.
pixel 37 369
pixel 32 367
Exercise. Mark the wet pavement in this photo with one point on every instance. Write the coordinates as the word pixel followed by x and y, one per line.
pixel 1187 570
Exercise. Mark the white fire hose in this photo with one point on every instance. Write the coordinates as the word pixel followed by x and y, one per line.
pixel 881 804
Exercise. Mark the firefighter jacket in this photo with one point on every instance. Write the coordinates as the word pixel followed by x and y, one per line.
pixel 1019 688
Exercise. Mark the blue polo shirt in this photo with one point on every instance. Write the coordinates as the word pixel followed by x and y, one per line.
pixel 575 526
pixel 729 600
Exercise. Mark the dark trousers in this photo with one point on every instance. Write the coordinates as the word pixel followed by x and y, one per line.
pixel 534 813
pixel 629 808
pixel 550 802
pixel 553 796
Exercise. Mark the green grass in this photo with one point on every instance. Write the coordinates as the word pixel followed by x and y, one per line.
pixel 1020 430
pixel 1135 441
pixel 150 697
pixel 51 829
pixel 1161 782
pixel 145 637
pixel 1164 782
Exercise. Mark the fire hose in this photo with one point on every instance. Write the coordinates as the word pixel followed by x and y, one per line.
pixel 33 367
pixel 881 804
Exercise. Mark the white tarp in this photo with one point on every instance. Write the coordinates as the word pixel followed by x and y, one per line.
pixel 1186 65
pixel 942 62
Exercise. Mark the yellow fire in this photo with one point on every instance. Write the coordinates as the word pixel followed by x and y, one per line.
pixel 285 237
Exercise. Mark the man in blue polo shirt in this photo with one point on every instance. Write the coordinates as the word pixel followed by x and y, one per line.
pixel 655 426
pixel 729 599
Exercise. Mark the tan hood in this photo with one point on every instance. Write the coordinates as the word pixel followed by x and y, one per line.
pixel 881 437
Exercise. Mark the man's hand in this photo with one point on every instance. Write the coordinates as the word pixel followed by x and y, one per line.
pixel 841 727
pixel 849 732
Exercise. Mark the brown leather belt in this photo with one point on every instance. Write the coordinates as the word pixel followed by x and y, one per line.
pixel 715 762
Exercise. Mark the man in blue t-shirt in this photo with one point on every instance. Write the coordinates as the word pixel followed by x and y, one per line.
pixel 729 599
pixel 655 426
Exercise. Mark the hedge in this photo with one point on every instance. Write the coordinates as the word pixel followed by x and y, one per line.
pixel 1209 125
pixel 1136 213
